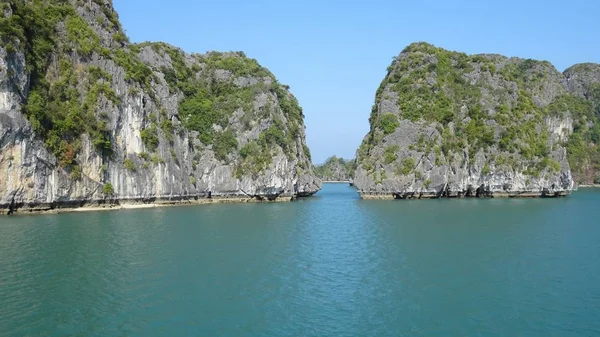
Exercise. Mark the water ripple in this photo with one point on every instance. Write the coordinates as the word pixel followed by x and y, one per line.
pixel 332 265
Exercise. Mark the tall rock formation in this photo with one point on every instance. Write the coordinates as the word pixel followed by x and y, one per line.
pixel 447 124
pixel 583 82
pixel 88 117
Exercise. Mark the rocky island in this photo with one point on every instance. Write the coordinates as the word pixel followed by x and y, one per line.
pixel 336 169
pixel 448 124
pixel 88 118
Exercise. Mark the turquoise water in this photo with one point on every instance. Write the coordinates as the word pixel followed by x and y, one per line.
pixel 332 265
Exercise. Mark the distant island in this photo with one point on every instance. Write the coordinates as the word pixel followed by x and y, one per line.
pixel 336 169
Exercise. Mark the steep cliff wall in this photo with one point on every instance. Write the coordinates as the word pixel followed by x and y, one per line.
pixel 583 147
pixel 449 124
pixel 87 117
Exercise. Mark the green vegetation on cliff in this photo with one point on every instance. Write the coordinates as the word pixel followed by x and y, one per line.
pixel 477 103
pixel 71 96
pixel 212 98
pixel 56 105
pixel 583 146
pixel 336 169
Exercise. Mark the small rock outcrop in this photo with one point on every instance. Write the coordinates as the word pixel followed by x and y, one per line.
pixel 336 169
pixel 447 124
pixel 86 117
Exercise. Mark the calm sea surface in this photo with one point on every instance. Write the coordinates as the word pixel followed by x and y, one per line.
pixel 331 265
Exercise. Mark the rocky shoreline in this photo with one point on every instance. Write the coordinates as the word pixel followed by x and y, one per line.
pixel 137 203
pixel 491 195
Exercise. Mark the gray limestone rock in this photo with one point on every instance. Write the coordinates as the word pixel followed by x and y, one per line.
pixel 180 168
pixel 467 126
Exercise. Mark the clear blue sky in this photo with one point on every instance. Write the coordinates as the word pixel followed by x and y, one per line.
pixel 334 54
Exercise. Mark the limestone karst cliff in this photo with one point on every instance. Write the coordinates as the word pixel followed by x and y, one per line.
pixel 447 124
pixel 88 117
pixel 336 169
pixel 583 83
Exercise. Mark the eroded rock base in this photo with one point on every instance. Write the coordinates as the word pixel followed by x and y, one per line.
pixel 113 204
pixel 456 195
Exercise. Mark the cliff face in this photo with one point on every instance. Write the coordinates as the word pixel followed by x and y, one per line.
pixel 449 124
pixel 583 82
pixel 336 169
pixel 87 117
